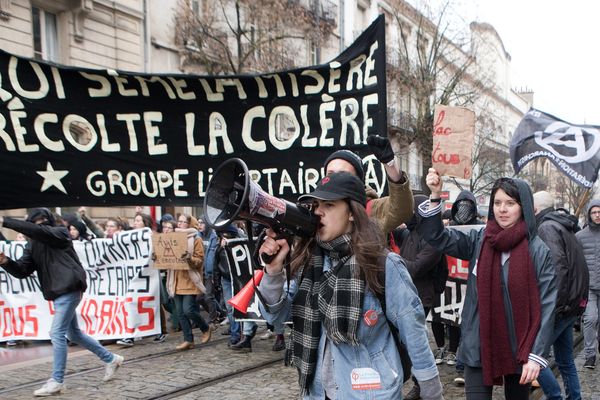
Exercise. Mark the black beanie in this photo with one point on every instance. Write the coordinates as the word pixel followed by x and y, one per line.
pixel 352 158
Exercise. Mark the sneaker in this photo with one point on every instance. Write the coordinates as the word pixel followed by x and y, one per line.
pixel 267 335
pixel 160 338
pixel 439 355
pixel 414 394
pixel 11 343
pixel 112 367
pixel 590 362
pixel 451 358
pixel 50 387
pixel 279 343
pixel 460 378
pixel 205 336
pixel 243 346
pixel 185 346
pixel 125 342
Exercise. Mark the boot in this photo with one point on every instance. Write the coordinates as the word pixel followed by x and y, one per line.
pixel 185 346
pixel 243 346
pixel 279 343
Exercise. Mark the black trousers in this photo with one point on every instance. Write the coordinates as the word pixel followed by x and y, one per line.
pixel 476 390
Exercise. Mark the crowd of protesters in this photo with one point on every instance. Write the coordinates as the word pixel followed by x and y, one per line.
pixel 351 302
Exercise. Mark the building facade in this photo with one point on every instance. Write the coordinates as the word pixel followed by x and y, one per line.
pixel 166 36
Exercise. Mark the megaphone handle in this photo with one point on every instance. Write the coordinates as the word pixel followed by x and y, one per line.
pixel 268 258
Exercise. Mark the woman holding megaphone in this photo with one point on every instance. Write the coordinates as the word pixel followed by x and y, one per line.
pixel 342 341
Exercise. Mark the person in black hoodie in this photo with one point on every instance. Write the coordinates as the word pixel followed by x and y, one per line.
pixel 557 229
pixel 463 212
pixel 421 260
pixel 50 253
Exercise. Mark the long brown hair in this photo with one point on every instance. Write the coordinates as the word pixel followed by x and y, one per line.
pixel 368 246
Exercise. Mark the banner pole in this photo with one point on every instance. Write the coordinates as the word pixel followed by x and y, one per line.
pixel 584 200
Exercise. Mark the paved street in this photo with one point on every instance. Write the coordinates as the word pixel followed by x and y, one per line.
pixel 155 371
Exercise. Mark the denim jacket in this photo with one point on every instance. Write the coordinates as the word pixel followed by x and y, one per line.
pixel 210 251
pixel 371 370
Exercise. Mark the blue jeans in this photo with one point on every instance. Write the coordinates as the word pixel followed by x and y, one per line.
pixel 187 310
pixel 562 342
pixel 234 326
pixel 65 325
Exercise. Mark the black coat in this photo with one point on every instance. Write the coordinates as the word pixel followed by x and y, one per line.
pixel 50 252
pixel 557 230
pixel 421 260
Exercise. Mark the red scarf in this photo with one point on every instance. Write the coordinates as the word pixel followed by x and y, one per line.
pixel 497 357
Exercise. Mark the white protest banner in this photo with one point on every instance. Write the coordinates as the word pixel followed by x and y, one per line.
pixel 453 133
pixel 122 298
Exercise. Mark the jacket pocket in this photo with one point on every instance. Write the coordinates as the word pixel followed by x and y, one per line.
pixel 390 374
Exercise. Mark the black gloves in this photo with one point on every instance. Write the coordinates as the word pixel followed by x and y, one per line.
pixel 381 148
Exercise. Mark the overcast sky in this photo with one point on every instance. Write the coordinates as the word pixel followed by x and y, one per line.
pixel 555 51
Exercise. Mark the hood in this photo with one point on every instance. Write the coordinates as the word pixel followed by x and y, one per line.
pixel 567 220
pixel 465 195
pixel 38 213
pixel 80 226
pixel 526 204
pixel 414 221
pixel 591 204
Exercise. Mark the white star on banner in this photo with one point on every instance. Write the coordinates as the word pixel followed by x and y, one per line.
pixel 52 178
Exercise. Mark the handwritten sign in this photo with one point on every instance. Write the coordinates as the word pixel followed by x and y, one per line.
pixel 169 249
pixel 453 132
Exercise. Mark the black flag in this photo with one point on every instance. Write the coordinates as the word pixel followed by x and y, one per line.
pixel 574 149
pixel 77 136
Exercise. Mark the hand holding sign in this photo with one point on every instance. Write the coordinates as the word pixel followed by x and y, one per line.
pixel 453 132
pixel 3 258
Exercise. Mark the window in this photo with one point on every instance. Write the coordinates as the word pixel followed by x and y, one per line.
pixel 45 35
pixel 315 54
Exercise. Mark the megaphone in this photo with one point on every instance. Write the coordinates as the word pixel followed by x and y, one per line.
pixel 232 194
pixel 242 299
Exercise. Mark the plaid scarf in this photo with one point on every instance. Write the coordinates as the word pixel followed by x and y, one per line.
pixel 333 298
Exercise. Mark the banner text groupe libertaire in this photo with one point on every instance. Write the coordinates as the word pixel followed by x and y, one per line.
pixel 111 136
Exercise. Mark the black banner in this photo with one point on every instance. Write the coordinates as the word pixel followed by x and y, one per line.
pixel 76 136
pixel 240 270
pixel 573 149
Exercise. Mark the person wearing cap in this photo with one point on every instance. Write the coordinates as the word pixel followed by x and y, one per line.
pixel 341 342
pixel 50 253
pixel 390 211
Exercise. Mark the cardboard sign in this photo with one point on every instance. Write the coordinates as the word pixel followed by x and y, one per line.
pixel 453 132
pixel 169 249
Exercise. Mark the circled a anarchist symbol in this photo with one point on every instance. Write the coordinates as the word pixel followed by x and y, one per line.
pixel 574 144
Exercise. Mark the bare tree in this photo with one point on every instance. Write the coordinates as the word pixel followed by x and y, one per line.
pixel 238 36
pixel 433 69
pixel 573 195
